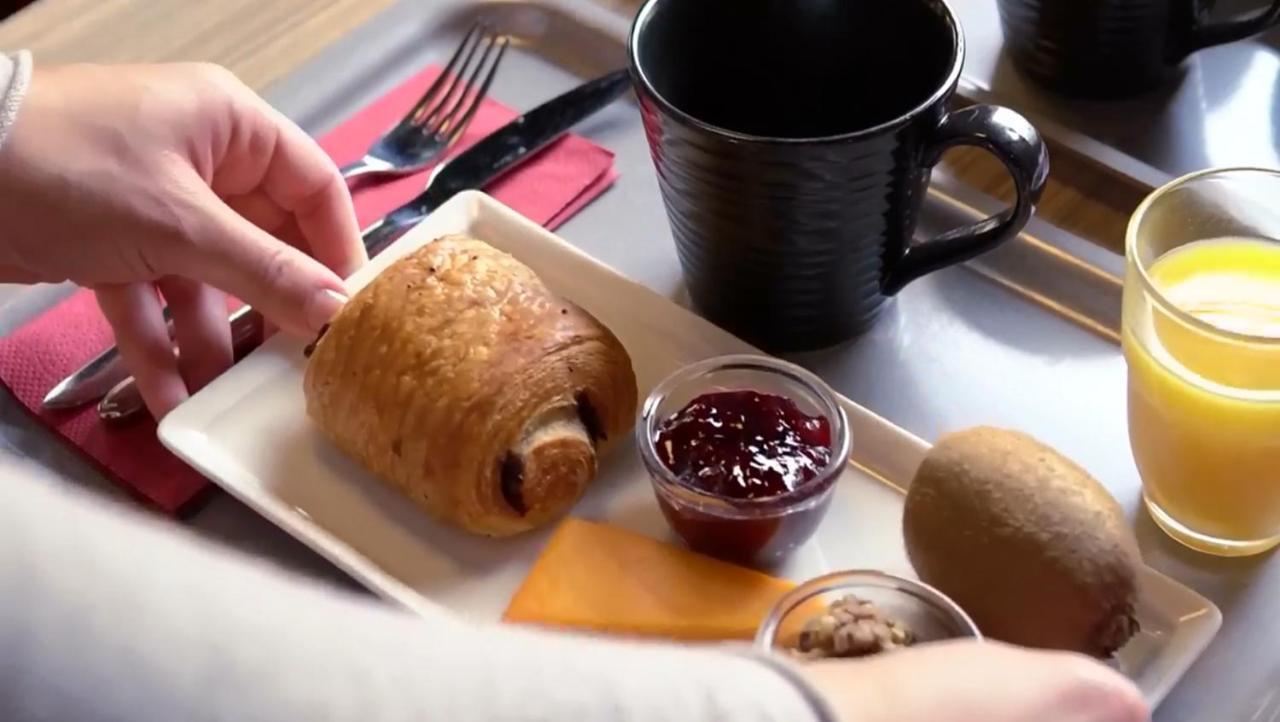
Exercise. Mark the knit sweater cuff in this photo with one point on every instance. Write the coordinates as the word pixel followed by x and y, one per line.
pixel 15 75
pixel 822 709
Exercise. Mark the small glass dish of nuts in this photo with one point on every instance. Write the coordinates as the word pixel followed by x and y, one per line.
pixel 860 613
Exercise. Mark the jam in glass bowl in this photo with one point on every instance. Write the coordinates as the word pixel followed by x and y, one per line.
pixel 744 453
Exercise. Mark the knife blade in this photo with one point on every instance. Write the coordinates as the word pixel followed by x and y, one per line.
pixel 94 379
pixel 87 383
pixel 484 162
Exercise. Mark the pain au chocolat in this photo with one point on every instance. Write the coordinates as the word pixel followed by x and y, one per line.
pixel 459 379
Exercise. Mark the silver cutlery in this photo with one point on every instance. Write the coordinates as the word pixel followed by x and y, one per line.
pixel 443 112
pixel 483 163
pixel 435 122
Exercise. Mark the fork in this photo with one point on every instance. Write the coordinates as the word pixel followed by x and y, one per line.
pixel 441 114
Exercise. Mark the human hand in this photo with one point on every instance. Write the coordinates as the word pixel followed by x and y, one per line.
pixel 174 181
pixel 976 682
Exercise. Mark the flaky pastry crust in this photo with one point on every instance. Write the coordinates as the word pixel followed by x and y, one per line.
pixel 458 378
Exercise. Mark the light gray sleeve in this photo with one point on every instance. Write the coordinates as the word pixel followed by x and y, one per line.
pixel 107 615
pixel 15 74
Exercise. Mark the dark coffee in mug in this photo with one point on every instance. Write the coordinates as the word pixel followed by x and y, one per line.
pixel 793 143
pixel 1116 48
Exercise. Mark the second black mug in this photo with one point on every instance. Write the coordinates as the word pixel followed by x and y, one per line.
pixel 793 143
pixel 1116 48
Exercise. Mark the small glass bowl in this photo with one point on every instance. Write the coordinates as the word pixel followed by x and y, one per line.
pixel 927 612
pixel 762 531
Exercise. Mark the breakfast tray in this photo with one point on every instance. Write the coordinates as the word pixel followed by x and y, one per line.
pixel 248 431
pixel 1025 337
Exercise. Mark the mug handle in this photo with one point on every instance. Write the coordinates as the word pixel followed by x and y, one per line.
pixel 1229 31
pixel 1009 137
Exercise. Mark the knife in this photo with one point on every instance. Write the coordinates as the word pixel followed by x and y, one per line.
pixel 481 164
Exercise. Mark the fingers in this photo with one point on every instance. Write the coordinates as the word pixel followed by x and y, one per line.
pixel 968 681
pixel 291 289
pixel 261 211
pixel 276 180
pixel 201 329
pixel 10 273
pixel 302 180
pixel 1072 685
pixel 1097 692
pixel 134 312
pixel 270 159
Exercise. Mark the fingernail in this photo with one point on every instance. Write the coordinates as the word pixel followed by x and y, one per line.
pixel 324 305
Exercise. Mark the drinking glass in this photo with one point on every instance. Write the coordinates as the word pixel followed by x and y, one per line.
pixel 1201 336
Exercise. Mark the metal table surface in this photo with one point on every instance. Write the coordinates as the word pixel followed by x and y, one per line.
pixel 954 350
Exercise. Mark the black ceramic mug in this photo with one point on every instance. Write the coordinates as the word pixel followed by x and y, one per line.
pixel 793 143
pixel 1115 48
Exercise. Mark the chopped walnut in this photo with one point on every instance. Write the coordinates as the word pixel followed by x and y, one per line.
pixel 851 627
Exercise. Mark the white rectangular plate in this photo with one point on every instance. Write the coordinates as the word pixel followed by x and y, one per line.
pixel 248 432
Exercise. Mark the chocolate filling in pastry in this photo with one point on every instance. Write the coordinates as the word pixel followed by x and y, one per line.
pixel 512 473
pixel 589 417
pixel 311 347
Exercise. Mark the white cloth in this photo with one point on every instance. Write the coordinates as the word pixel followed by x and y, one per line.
pixel 107 615
pixel 15 74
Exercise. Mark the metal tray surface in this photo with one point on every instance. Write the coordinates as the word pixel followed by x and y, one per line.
pixel 1220 111
pixel 1024 337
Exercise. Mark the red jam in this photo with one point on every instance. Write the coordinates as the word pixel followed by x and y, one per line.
pixel 744 444
pixel 746 448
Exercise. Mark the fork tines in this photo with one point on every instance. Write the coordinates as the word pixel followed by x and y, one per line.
pixel 449 104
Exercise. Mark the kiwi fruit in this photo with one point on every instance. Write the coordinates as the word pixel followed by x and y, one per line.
pixel 1024 540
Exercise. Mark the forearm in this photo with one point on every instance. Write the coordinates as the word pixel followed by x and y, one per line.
pixel 15 74
pixel 105 616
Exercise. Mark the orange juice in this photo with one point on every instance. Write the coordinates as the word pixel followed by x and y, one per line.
pixel 1204 393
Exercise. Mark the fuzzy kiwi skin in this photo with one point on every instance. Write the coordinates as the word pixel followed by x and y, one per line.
pixel 1024 540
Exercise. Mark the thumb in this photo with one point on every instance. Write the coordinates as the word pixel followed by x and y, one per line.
pixel 291 289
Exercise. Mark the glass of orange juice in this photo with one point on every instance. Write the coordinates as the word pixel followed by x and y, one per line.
pixel 1201 337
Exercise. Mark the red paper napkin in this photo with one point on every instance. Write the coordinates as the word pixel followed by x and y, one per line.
pixel 548 189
